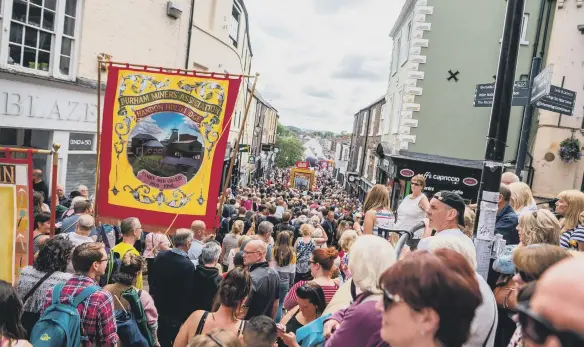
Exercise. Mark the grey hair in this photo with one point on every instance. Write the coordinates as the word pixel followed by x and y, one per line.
pixel 128 225
pixel 182 237
pixel 210 252
pixel 265 228
pixel 86 222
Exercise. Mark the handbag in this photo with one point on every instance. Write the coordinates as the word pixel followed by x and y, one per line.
pixel 29 319
pixel 505 293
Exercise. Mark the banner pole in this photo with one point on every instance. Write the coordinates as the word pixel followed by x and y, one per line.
pixel 98 134
pixel 236 147
pixel 55 166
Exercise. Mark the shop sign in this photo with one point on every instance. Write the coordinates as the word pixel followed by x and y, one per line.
pixel 302 164
pixel 81 142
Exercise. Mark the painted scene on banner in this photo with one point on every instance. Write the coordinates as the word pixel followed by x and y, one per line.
pixel 14 219
pixel 162 146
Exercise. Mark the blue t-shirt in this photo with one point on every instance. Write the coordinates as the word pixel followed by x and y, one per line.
pixel 69 225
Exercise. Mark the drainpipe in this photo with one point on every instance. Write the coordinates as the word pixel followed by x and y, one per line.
pixel 190 34
pixel 528 110
pixel 366 138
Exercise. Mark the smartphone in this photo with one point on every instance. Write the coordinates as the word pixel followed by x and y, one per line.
pixel 281 327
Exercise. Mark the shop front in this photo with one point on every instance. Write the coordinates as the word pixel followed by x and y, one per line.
pixel 460 176
pixel 35 113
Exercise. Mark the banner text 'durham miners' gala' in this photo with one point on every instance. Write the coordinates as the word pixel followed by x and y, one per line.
pixel 162 150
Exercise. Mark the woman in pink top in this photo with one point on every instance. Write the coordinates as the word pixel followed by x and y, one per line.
pixel 321 265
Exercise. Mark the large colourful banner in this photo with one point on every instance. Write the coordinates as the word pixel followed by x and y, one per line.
pixel 15 217
pixel 163 144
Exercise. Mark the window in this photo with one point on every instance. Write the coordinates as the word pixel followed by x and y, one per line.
pixel 524 29
pixel 375 163
pixel 368 164
pixel 364 124
pixel 405 49
pixel 42 36
pixel 395 55
pixel 382 119
pixel 397 112
pixel 389 105
pixel 372 122
pixel 234 28
pixel 359 163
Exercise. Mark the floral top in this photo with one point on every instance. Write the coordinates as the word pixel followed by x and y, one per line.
pixel 303 252
pixel 517 338
pixel 30 276
pixel 154 243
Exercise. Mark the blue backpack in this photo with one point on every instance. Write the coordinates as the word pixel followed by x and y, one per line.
pixel 60 324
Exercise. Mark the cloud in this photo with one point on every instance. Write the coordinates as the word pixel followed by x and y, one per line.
pixel 332 66
pixel 147 126
pixel 318 93
pixel 351 67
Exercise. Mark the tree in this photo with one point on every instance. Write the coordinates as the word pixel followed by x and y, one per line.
pixel 291 151
pixel 281 130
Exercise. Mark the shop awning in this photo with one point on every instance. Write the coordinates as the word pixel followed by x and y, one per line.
pixel 430 158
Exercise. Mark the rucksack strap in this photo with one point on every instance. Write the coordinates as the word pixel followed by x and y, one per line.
pixel 56 296
pixel 104 238
pixel 36 286
pixel 202 323
pixel 84 295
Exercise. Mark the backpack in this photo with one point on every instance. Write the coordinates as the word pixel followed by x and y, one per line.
pixel 137 309
pixel 60 324
pixel 114 262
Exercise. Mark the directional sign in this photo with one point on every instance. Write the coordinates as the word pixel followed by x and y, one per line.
pixel 485 93
pixel 244 148
pixel 251 159
pixel 559 100
pixel 542 84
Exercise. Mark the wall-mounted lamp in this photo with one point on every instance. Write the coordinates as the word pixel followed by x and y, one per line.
pixel 172 10
pixel 581 28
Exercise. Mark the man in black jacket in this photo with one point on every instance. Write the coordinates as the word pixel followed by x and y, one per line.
pixel 285 225
pixel 265 294
pixel 173 286
pixel 330 227
pixel 207 276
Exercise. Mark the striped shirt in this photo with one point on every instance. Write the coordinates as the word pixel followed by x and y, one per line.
pixel 292 299
pixel 384 219
pixel 569 238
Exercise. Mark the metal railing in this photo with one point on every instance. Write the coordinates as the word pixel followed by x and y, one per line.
pixel 404 236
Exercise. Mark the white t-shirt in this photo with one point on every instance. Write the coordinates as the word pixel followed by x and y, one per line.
pixel 77 239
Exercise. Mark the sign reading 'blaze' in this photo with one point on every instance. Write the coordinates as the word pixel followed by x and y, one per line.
pixel 162 149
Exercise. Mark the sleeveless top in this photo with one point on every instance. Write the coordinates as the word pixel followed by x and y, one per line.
pixel 384 219
pixel 204 319
pixel 409 213
pixel 303 255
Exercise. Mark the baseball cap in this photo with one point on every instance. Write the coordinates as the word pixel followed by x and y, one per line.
pixel 453 200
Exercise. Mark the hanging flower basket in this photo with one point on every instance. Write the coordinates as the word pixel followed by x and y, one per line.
pixel 570 150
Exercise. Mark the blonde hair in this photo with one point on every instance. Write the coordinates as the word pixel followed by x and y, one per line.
pixel 419 179
pixel 377 198
pixel 370 256
pixel 575 200
pixel 460 245
pixel 242 240
pixel 217 337
pixel 540 227
pixel 520 195
pixel 469 222
pixel 237 227
pixel 306 229
pixel 535 259
pixel 347 240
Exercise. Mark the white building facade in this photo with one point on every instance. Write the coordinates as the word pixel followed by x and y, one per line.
pixel 48 65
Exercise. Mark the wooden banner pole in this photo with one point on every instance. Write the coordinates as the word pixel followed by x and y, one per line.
pixel 55 172
pixel 98 149
pixel 236 148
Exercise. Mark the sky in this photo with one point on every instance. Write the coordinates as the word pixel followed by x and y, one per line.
pixel 321 61
pixel 159 125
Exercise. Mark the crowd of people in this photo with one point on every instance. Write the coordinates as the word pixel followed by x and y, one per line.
pixel 305 268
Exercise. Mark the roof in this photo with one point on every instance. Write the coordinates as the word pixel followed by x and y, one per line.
pixel 405 12
pixel 261 99
pixel 242 4
pixel 431 158
pixel 153 143
pixel 377 101
pixel 186 141
pixel 144 137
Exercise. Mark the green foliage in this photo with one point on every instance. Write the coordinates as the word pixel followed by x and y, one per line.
pixel 291 151
pixel 281 130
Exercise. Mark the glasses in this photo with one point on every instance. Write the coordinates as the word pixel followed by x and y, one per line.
pixel 101 261
pixel 390 299
pixel 416 184
pixel 538 329
pixel 250 252
pixel 525 276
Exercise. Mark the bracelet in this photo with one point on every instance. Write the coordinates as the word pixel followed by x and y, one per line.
pixel 509 291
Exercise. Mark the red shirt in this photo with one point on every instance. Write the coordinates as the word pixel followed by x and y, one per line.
pixel 98 321
pixel 292 299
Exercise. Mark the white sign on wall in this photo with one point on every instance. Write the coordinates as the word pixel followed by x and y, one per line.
pixel 34 106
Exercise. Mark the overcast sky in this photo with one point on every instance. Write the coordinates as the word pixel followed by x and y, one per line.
pixel 321 61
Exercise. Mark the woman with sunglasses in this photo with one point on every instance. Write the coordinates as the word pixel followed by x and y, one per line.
pixel 530 264
pixel 413 207
pixel 311 304
pixel 418 302
pixel 233 292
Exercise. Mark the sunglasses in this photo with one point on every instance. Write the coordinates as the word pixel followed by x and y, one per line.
pixel 416 184
pixel 538 329
pixel 525 276
pixel 390 299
